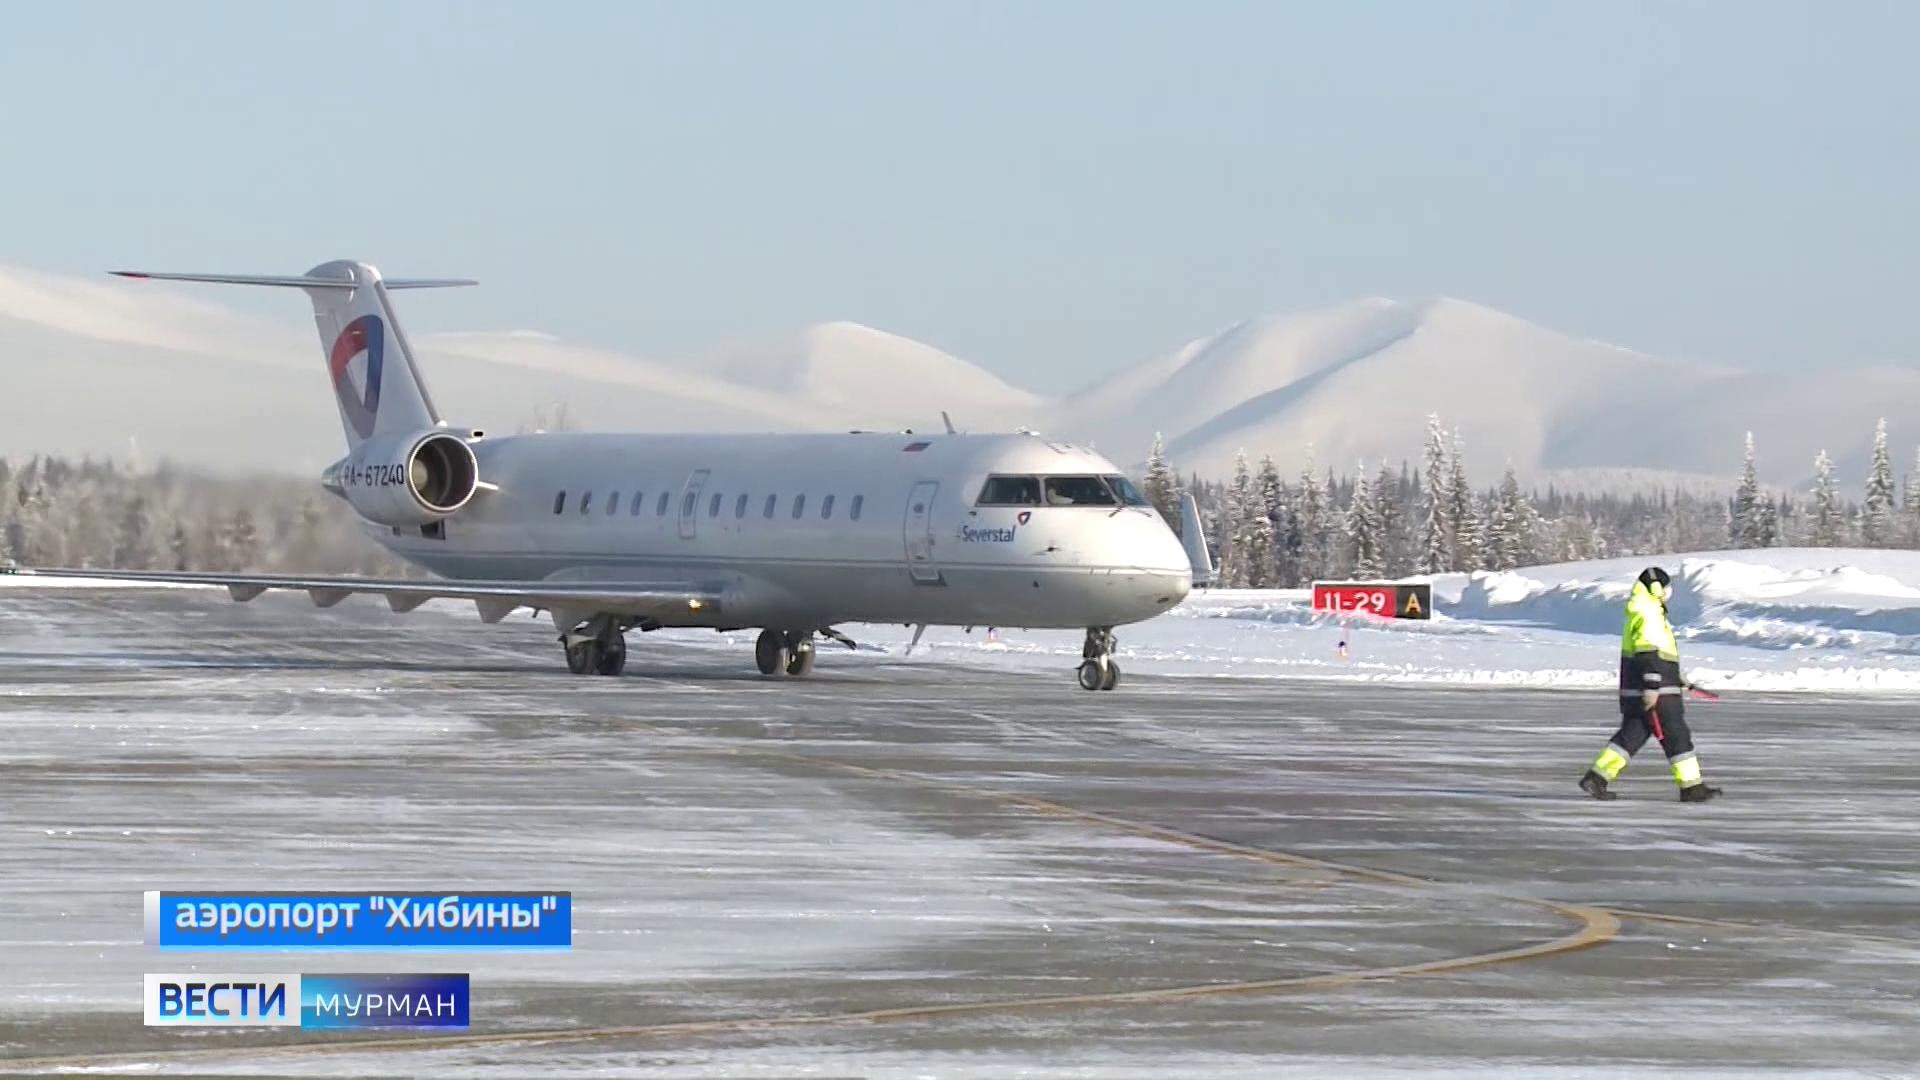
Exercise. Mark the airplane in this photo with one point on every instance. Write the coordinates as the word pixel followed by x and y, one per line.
pixel 792 534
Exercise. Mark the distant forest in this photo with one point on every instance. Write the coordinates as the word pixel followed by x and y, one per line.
pixel 1269 532
pixel 90 514
pixel 1266 531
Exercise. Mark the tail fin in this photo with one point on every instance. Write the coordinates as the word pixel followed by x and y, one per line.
pixel 1195 541
pixel 356 321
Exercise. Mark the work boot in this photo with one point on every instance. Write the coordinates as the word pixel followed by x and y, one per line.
pixel 1700 792
pixel 1596 785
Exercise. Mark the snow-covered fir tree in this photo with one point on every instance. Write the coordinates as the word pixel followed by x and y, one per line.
pixel 1512 531
pixel 1396 550
pixel 1237 530
pixel 1257 565
pixel 1366 552
pixel 1829 526
pixel 1436 528
pixel 1909 503
pixel 1766 522
pixel 1337 557
pixel 1747 500
pixel 1161 485
pixel 1311 511
pixel 1465 547
pixel 1271 496
pixel 1877 526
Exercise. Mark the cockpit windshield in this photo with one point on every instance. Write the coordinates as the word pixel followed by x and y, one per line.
pixel 1124 488
pixel 1078 491
pixel 1010 491
pixel 1114 490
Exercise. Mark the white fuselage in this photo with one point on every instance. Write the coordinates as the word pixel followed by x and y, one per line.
pixel 805 531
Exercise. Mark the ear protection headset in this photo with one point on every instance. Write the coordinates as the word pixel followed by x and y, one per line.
pixel 1657 582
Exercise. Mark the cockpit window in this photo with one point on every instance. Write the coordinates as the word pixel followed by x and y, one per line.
pixel 1124 488
pixel 1010 491
pixel 1078 491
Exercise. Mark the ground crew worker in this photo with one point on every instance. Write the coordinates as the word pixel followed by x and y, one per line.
pixel 1652 695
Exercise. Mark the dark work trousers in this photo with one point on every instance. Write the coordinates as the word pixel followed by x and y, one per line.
pixel 1636 728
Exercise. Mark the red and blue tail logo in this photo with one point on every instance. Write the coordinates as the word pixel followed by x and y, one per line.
pixel 363 335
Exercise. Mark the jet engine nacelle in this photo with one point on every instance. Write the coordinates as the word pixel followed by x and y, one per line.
pixel 406 480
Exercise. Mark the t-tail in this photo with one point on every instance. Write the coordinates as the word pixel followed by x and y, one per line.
pixel 375 379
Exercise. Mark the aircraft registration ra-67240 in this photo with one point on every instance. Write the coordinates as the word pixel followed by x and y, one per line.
pixel 794 535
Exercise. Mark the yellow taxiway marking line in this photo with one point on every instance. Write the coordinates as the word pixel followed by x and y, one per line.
pixel 1596 927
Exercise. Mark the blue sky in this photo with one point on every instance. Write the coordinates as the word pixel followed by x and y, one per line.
pixel 1050 190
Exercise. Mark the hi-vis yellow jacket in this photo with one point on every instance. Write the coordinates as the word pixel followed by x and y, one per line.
pixel 1649 654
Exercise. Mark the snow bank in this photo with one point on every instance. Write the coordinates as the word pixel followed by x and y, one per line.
pixel 1786 599
pixel 1809 620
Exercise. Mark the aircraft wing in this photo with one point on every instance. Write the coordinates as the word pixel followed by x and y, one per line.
pixel 495 600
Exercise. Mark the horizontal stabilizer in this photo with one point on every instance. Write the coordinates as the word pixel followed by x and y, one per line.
pixel 297 281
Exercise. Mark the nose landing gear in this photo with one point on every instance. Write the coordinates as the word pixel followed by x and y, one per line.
pixel 1097 670
pixel 784 652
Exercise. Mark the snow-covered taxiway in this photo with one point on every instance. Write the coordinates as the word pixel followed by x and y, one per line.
pixel 959 864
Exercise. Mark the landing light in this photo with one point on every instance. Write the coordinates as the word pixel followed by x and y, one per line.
pixel 695 605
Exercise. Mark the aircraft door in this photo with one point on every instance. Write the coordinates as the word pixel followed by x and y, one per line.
pixel 690 503
pixel 919 532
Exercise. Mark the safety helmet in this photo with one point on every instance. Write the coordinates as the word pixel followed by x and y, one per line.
pixel 1657 582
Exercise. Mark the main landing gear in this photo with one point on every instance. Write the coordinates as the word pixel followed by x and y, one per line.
pixel 1097 670
pixel 784 652
pixel 597 648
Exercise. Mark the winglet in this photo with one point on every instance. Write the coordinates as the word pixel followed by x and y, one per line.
pixel 1195 541
pixel 949 422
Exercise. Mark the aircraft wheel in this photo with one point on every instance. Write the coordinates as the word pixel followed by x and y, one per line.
pixel 802 659
pixel 1113 676
pixel 583 657
pixel 1091 677
pixel 613 657
pixel 770 652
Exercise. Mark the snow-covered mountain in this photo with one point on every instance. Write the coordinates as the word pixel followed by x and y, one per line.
pixel 97 368
pixel 1356 382
pixel 877 379
pixel 90 365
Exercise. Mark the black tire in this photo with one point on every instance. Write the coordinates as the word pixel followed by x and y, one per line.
pixel 583 657
pixel 1091 677
pixel 1113 676
pixel 612 659
pixel 771 654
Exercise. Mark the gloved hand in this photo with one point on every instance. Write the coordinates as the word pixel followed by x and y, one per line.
pixel 1649 699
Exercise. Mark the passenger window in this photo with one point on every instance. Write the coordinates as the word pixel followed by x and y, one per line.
pixel 661 511
pixel 613 504
pixel 559 502
pixel 826 508
pixel 799 506
pixel 1124 488
pixel 1010 491
pixel 740 507
pixel 713 505
pixel 771 500
pixel 1078 491
pixel 854 510
pixel 638 502
pixel 586 501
